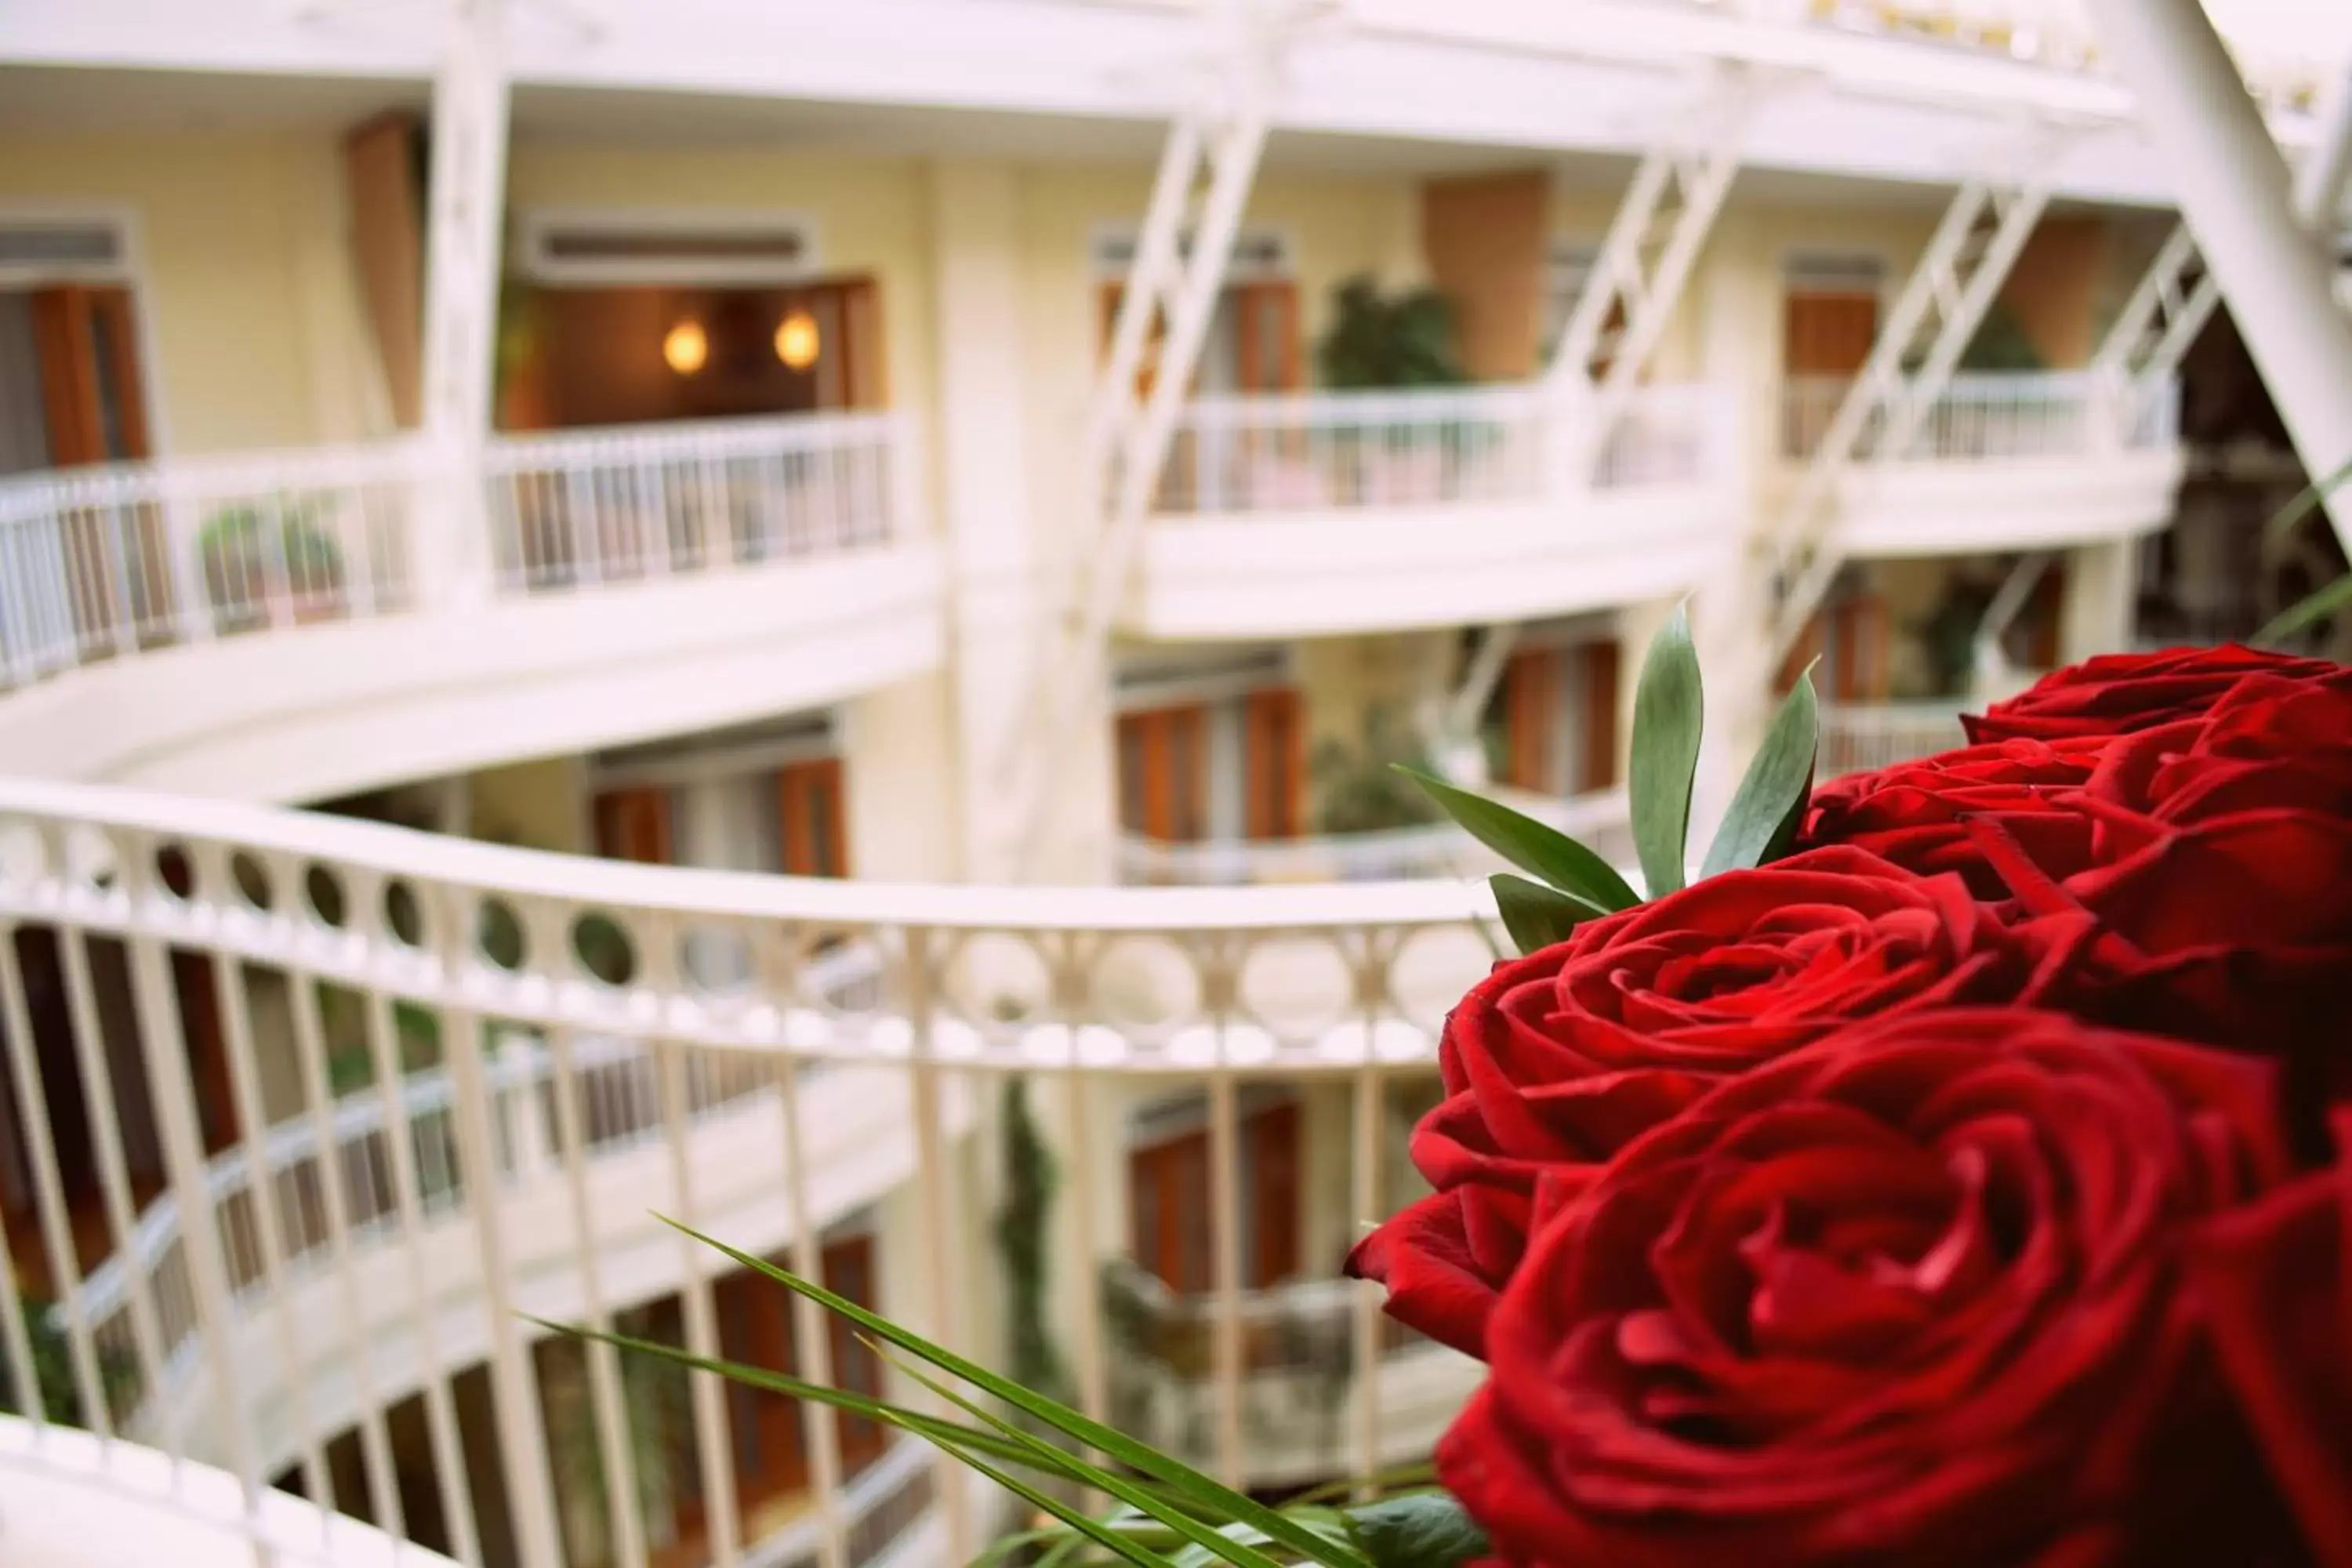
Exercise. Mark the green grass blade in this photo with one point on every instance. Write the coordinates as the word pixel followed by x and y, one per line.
pixel 1531 846
pixel 2309 611
pixel 1201 1535
pixel 1536 916
pixel 1102 1535
pixel 1668 715
pixel 2306 501
pixel 1777 781
pixel 1188 1484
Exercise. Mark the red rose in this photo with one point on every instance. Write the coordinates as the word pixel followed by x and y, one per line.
pixel 2276 1280
pixel 1911 1295
pixel 1558 1060
pixel 2117 693
pixel 1915 814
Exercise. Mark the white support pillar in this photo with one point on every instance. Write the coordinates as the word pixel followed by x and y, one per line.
pixel 465 219
pixel 2232 187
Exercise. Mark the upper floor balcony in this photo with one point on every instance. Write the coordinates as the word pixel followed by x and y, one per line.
pixel 2000 461
pixel 299 625
pixel 1428 508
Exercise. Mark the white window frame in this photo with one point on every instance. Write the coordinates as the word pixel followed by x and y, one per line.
pixel 535 226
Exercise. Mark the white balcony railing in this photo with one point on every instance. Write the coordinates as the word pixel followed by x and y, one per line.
pixel 602 506
pixel 1361 450
pixel 108 562
pixel 197 967
pixel 1859 736
pixel 1992 416
pixel 1431 849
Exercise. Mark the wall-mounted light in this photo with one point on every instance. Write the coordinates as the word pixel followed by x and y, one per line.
pixel 685 348
pixel 797 343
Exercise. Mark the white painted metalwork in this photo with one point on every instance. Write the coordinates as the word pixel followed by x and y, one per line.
pixel 1612 333
pixel 1938 311
pixel 371 1225
pixel 2168 308
pixel 633 502
pixel 1434 850
pixel 113 561
pixel 1993 415
pixel 2233 192
pixel 1859 736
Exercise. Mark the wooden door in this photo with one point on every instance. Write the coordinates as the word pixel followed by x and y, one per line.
pixel 1172 1205
pixel 1599 752
pixel 1826 339
pixel 813 819
pixel 93 398
pixel 634 825
pixel 1266 321
pixel 1163 772
pixel 1531 704
pixel 1274 753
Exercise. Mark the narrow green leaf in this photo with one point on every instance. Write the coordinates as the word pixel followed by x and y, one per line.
pixel 1112 1541
pixel 1534 915
pixel 1778 778
pixel 1201 1536
pixel 2310 610
pixel 2302 505
pixel 1190 1484
pixel 1531 846
pixel 1428 1530
pixel 1668 713
pixel 1324 1521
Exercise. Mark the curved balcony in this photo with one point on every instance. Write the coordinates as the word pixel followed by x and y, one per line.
pixel 759 1056
pixel 1427 509
pixel 306 625
pixel 2033 460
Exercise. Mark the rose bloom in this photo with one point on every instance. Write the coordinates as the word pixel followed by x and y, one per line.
pixel 1558 1060
pixel 2276 1283
pixel 1913 1294
pixel 2115 694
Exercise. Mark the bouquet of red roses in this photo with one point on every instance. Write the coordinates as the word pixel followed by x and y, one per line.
pixel 1970 1183
pixel 1960 1171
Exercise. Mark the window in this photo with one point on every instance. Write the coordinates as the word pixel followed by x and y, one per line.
pixel 704 247
pixel 1170 1204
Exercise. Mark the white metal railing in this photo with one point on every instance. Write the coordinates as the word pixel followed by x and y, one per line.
pixel 1431 849
pixel 355 1252
pixel 1859 736
pixel 111 562
pixel 1313 451
pixel 1993 414
pixel 1360 450
pixel 600 506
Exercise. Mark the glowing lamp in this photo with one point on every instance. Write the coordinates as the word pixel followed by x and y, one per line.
pixel 796 341
pixel 685 348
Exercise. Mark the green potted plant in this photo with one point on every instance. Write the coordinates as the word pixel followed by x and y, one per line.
pixel 1396 343
pixel 244 575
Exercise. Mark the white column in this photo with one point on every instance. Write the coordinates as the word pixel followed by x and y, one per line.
pixel 465 218
pixel 2102 592
pixel 2232 185
pixel 991 508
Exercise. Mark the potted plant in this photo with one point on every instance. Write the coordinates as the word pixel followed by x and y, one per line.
pixel 244 575
pixel 1392 343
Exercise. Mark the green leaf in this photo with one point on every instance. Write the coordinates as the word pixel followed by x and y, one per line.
pixel 1771 795
pixel 1531 846
pixel 2308 611
pixel 1428 1530
pixel 1669 712
pixel 1203 1536
pixel 1534 915
pixel 2282 521
pixel 1188 1485
pixel 1125 1549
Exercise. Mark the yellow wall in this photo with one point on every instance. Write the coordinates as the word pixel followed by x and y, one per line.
pixel 536 806
pixel 253 335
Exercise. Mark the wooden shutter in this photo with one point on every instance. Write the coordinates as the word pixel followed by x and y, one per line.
pixel 1269 316
pixel 1271 1136
pixel 1859 659
pixel 1274 753
pixel 813 821
pixel 860 310
pixel 1828 333
pixel 1601 676
pixel 849 1266
pixel 755 1328
pixel 1532 695
pixel 1163 786
pixel 634 825
pixel 1168 1189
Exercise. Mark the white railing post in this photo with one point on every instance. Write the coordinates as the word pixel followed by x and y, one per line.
pixel 529 1149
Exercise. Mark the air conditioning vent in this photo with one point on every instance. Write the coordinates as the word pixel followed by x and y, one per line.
pixel 60 246
pixel 1258 253
pixel 718 251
